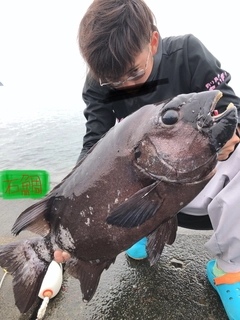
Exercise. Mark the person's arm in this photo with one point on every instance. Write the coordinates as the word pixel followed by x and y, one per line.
pixel 206 74
pixel 98 113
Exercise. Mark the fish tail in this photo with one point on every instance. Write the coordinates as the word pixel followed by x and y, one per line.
pixel 27 261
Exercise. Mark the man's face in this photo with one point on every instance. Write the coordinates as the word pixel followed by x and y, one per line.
pixel 139 73
pixel 136 75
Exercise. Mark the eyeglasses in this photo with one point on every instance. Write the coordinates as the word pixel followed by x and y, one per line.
pixel 138 75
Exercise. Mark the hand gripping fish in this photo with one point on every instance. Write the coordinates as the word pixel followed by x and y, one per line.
pixel 131 184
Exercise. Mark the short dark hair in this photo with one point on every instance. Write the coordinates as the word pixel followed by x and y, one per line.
pixel 112 33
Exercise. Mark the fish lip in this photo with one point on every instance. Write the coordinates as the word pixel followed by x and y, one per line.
pixel 218 96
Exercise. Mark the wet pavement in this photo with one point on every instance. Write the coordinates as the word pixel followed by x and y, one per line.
pixel 176 288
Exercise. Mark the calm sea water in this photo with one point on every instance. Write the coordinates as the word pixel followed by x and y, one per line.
pixel 48 140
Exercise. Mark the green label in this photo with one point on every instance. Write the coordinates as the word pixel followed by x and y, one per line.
pixel 15 184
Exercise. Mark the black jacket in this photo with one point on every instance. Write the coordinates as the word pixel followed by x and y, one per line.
pixel 181 65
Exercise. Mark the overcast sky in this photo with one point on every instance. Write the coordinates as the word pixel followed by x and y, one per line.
pixel 40 64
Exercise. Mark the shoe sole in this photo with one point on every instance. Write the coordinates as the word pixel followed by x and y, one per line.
pixel 228 293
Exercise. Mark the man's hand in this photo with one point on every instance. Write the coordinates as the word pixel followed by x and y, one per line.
pixel 228 148
pixel 61 256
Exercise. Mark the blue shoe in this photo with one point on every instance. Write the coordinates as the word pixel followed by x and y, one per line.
pixel 138 250
pixel 228 288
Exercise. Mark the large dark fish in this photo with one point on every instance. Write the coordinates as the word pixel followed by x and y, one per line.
pixel 130 185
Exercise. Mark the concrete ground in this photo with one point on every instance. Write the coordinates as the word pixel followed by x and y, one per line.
pixel 176 288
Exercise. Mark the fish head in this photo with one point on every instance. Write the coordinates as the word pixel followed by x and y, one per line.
pixel 185 137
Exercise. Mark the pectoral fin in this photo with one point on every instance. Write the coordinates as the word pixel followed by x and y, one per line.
pixel 137 209
pixel 165 233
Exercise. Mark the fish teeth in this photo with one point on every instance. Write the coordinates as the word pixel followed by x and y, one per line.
pixel 231 105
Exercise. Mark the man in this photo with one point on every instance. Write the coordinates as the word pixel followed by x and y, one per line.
pixel 131 66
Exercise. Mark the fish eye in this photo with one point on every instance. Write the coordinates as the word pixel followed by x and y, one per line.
pixel 170 117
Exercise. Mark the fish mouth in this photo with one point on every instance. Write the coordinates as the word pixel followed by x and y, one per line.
pixel 218 116
pixel 207 118
pixel 218 127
